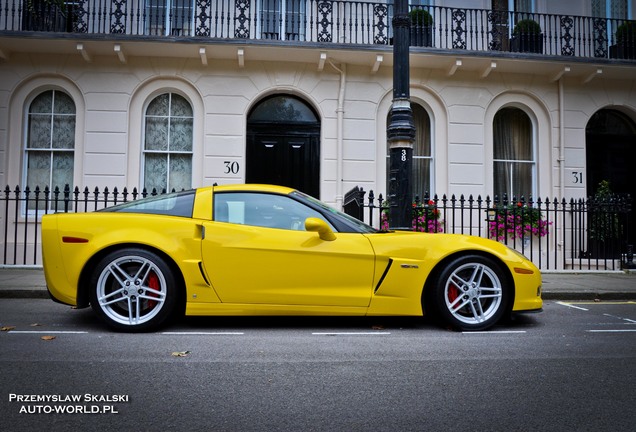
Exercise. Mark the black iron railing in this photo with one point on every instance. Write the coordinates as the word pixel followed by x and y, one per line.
pixel 582 234
pixel 579 234
pixel 21 211
pixel 330 22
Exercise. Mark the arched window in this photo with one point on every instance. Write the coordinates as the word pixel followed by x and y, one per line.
pixel 422 180
pixel 282 109
pixel 168 143
pixel 513 158
pixel 50 143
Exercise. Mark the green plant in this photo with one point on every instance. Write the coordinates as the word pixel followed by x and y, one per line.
pixel 421 18
pixel 527 27
pixel 603 224
pixel 626 32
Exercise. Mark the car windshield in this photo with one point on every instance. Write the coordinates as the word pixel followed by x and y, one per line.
pixel 357 225
pixel 171 204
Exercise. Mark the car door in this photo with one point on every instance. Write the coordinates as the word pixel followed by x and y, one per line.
pixel 258 252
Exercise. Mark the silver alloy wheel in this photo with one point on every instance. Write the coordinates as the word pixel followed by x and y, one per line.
pixel 473 293
pixel 131 290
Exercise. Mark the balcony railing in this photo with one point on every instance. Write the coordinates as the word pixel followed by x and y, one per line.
pixel 330 22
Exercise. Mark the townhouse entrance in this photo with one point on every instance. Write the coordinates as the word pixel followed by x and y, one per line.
pixel 610 138
pixel 283 144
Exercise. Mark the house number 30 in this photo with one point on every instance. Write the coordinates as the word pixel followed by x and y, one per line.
pixel 231 167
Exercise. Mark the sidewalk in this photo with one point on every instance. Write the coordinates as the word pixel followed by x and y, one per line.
pixel 29 283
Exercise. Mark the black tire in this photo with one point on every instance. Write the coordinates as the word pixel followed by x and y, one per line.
pixel 471 293
pixel 133 290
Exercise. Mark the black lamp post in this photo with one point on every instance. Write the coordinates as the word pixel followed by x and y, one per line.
pixel 400 130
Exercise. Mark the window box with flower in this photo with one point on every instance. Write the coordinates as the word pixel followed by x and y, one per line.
pixel 517 221
pixel 426 217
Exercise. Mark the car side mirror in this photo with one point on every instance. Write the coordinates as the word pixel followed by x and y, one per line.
pixel 320 226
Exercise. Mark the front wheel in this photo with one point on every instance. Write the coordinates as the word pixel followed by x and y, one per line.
pixel 472 293
pixel 133 290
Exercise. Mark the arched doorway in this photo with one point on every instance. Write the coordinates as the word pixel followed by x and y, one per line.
pixel 610 138
pixel 283 144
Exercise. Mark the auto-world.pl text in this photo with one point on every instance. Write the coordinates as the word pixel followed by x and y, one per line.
pixel 68 404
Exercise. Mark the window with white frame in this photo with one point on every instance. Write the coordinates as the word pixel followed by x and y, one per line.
pixel 168 142
pixel 169 17
pixel 422 174
pixel 50 141
pixel 616 10
pixel 513 153
pixel 282 19
pixel 522 5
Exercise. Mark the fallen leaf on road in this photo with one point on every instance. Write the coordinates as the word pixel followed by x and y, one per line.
pixel 7 328
pixel 180 353
pixel 36 325
pixel 47 338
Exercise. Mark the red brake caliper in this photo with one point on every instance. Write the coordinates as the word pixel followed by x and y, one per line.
pixel 153 282
pixel 453 293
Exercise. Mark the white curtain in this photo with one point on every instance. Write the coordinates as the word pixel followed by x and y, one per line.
pixel 168 143
pixel 50 140
pixel 513 154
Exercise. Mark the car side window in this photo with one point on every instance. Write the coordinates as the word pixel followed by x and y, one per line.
pixel 263 210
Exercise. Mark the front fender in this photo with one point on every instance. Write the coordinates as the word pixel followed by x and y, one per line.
pixel 414 258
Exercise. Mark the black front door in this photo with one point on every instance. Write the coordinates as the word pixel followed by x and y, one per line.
pixel 286 160
pixel 611 156
pixel 283 144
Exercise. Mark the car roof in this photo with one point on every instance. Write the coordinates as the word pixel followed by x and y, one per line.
pixel 253 188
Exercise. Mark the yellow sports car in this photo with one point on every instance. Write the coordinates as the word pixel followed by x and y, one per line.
pixel 271 250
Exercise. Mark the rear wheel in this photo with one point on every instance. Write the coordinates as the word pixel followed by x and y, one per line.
pixel 133 290
pixel 472 293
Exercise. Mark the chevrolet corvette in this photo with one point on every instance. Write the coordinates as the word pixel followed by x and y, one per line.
pixel 240 250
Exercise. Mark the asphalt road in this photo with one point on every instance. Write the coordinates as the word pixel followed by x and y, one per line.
pixel 570 368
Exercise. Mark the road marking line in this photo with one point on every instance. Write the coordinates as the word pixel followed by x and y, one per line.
pixel 572 306
pixel 47 332
pixel 612 331
pixel 631 321
pixel 604 302
pixel 349 333
pixel 495 332
pixel 204 333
